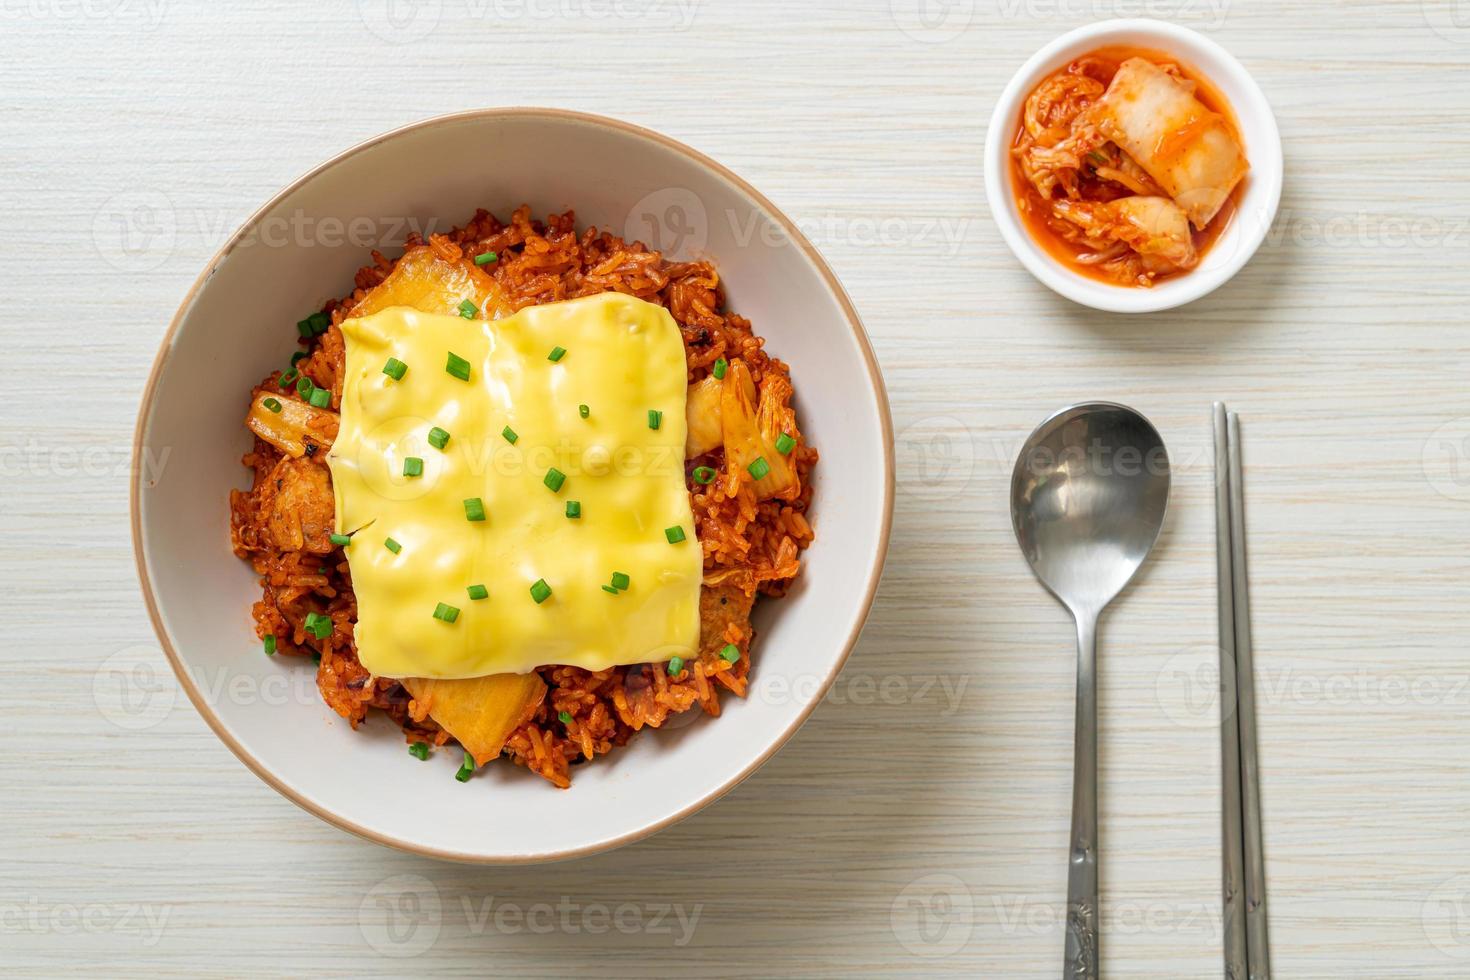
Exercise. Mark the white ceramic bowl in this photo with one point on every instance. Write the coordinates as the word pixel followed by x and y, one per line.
pixel 237 323
pixel 1257 204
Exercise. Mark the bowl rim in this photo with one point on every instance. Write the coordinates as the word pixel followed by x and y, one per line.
pixel 1269 168
pixel 859 337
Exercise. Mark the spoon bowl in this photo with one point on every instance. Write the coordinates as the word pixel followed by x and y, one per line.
pixel 1088 497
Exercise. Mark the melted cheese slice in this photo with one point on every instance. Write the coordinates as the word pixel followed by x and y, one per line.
pixel 624 357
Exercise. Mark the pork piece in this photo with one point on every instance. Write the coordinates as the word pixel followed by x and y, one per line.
pixel 299 507
pixel 1154 227
pixel 1189 151
pixel 292 426
pixel 720 608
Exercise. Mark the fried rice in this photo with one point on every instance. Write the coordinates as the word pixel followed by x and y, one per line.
pixel 751 546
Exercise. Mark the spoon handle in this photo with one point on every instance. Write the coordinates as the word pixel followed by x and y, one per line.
pixel 1081 962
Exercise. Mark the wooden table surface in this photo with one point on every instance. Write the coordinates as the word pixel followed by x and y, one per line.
pixel 917 825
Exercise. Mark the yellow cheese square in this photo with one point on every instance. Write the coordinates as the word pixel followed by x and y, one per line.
pixel 623 358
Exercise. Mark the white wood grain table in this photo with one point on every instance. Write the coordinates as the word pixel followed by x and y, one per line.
pixel 917 825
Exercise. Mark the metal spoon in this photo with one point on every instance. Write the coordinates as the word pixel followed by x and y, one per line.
pixel 1088 497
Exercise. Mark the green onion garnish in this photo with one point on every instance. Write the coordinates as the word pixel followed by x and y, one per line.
pixel 620 580
pixel 318 625
pixel 468 310
pixel 485 258
pixel 319 322
pixel 457 366
pixel 509 435
pixel 467 769
pixel 438 438
pixel 299 356
pixel 554 479
pixel 474 509
pixel 583 411
pixel 446 613
pixel 610 590
pixel 676 666
pixel 304 386
pixel 392 545
pixel 784 444
pixel 316 658
pixel 730 654
pixel 394 368
pixel 303 327
pixel 340 540
pixel 478 592
pixel 413 466
pixel 565 717
pixel 574 509
pixel 655 418
pixel 419 750
pixel 540 591
pixel 557 353
pixel 759 468
pixel 320 397
pixel 270 644
pixel 288 378
pixel 675 534
pixel 273 405
pixel 704 475
pixel 720 367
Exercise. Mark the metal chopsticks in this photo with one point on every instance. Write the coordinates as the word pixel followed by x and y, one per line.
pixel 1247 949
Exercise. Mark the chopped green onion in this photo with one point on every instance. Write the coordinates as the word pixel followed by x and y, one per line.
pixel 318 625
pixel 446 613
pixel 316 658
pixel 288 378
pixel 299 356
pixel 759 468
pixel 478 592
pixel 509 435
pixel 730 654
pixel 675 534
pixel 320 398
pixel 557 353
pixel 784 444
pixel 583 411
pixel 303 327
pixel 474 509
pixel 419 750
pixel 340 540
pixel 704 475
pixel 574 509
pixel 565 717
pixel 485 258
pixel 273 405
pixel 676 666
pixel 620 580
pixel 540 591
pixel 413 466
pixel 467 309
pixel 655 418
pixel 270 644
pixel 392 545
pixel 720 367
pixel 304 386
pixel 320 322
pixel 467 769
pixel 457 366
pixel 438 438
pixel 554 479
pixel 610 590
pixel 394 368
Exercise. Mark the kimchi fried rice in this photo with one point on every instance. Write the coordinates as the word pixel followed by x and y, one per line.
pixel 751 546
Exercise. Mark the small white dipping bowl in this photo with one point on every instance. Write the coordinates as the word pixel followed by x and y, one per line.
pixel 1256 207
pixel 238 323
